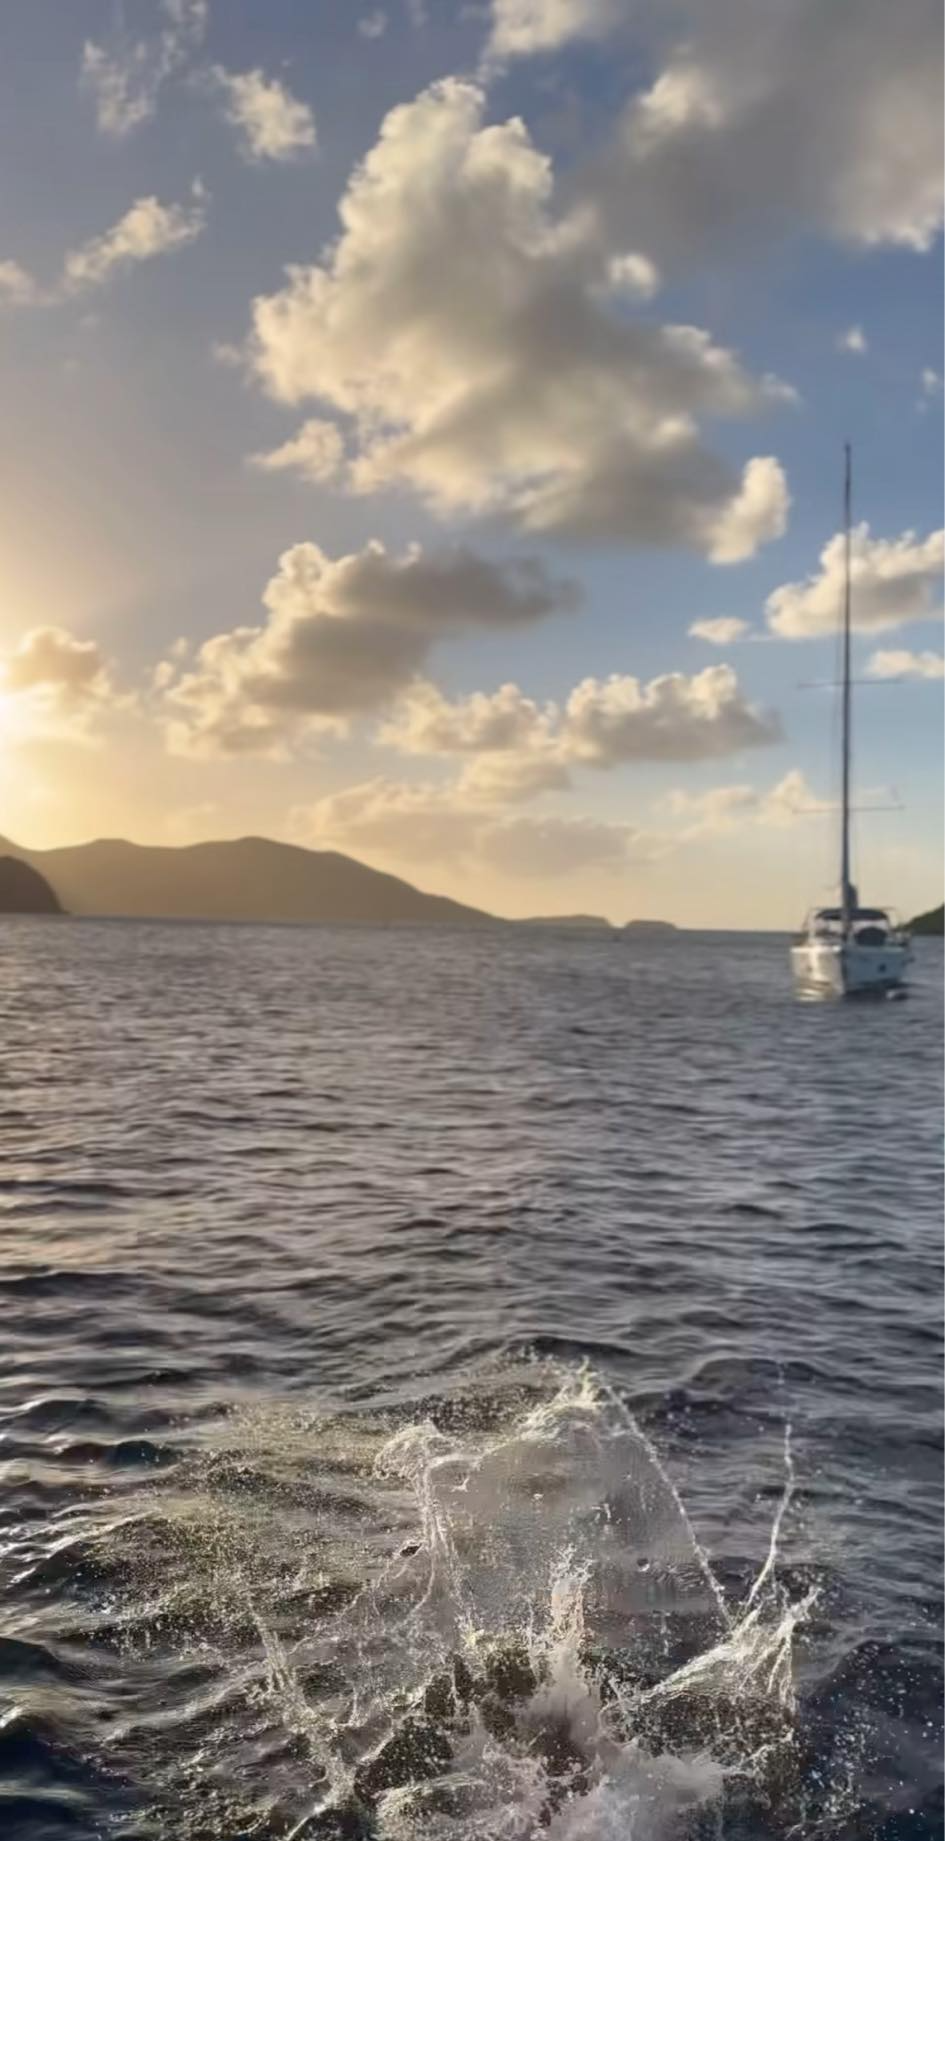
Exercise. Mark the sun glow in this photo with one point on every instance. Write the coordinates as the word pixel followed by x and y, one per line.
pixel 17 720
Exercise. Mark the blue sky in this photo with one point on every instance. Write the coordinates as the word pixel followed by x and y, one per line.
pixel 772 165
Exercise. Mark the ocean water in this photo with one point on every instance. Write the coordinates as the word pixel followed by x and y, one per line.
pixel 465 1385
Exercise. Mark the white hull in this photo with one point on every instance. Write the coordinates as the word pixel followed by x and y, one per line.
pixel 841 967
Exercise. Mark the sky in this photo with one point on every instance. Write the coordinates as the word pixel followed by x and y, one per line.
pixel 422 435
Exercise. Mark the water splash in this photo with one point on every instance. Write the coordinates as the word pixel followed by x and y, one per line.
pixel 492 1622
pixel 580 1669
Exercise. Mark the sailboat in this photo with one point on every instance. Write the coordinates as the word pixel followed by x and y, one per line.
pixel 844 949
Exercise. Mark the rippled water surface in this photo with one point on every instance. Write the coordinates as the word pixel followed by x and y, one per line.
pixel 465 1385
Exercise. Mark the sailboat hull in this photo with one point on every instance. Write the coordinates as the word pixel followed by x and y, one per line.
pixel 842 967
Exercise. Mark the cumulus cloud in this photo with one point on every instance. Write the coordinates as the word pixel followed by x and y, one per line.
pixel 273 125
pixel 522 747
pixel 893 581
pixel 721 631
pixel 673 718
pixel 372 26
pixel 779 118
pixel 526 28
pixel 758 512
pixel 892 662
pixel 473 339
pixel 316 452
pixel 484 722
pixel 853 342
pixel 514 744
pixel 433 823
pixel 343 638
pixel 50 656
pixel 66 680
pixel 148 229
pixel 932 384
pixel 123 77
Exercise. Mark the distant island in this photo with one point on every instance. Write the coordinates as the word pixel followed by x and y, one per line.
pixel 650 927
pixel 578 921
pixel 25 892
pixel 930 925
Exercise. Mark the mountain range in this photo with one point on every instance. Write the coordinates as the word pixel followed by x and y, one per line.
pixel 254 881
pixel 240 880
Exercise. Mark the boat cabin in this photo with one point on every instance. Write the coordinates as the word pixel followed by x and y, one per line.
pixel 864 927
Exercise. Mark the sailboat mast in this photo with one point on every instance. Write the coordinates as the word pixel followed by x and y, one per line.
pixel 846 888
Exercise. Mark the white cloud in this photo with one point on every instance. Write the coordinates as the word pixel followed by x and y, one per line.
pixel 932 384
pixel 316 452
pixel 436 823
pixel 757 513
pixel 522 747
pixel 124 76
pixel 17 287
pixel 473 340
pixel 893 581
pixel 635 274
pixel 513 778
pixel 343 639
pixel 891 662
pixel 65 680
pixel 50 656
pixel 710 812
pixel 525 28
pixel 372 26
pixel 853 342
pixel 484 722
pixel 715 813
pixel 513 744
pixel 273 125
pixel 673 718
pixel 721 631
pixel 790 798
pixel 778 118
pixel 148 229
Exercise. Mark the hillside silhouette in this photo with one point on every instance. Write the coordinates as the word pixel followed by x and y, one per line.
pixel 240 880
pixel 23 889
pixel 931 923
